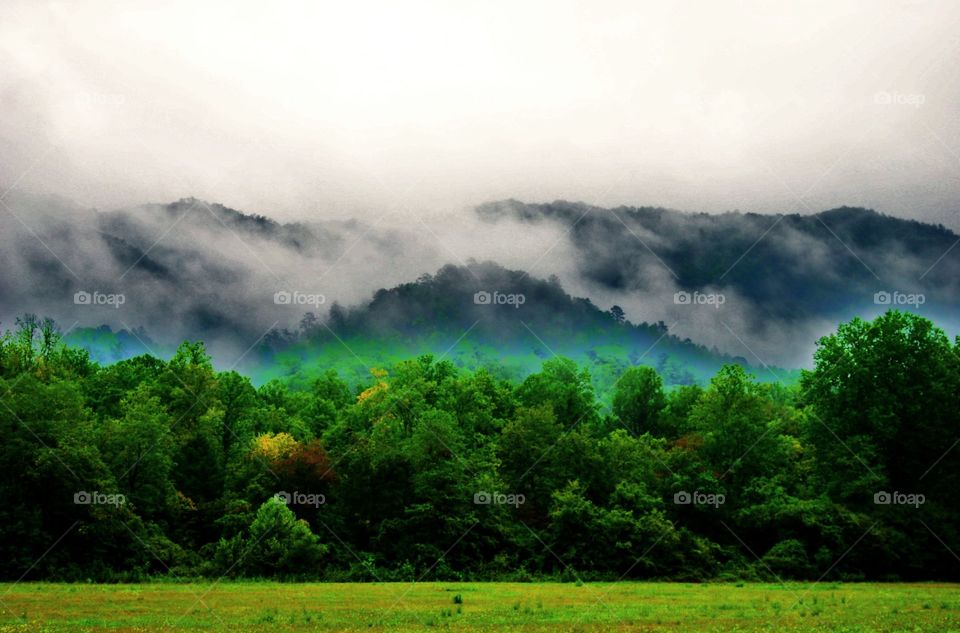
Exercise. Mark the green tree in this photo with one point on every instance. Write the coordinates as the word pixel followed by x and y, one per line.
pixel 277 544
pixel 885 397
pixel 528 460
pixel 139 447
pixel 884 406
pixel 738 425
pixel 638 401
pixel 566 388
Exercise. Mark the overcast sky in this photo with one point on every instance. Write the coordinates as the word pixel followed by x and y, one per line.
pixel 330 109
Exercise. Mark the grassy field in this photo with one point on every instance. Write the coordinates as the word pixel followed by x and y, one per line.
pixel 480 607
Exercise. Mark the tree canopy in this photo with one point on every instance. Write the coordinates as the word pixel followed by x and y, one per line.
pixel 151 467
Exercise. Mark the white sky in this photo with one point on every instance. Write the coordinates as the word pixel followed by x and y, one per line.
pixel 329 109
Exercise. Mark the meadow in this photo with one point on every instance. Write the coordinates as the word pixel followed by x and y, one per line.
pixel 625 606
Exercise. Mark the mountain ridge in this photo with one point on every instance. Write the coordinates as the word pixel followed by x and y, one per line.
pixel 190 269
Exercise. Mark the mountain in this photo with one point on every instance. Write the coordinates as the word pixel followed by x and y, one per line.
pixel 787 276
pixel 791 264
pixel 483 315
pixel 187 269
pixel 759 287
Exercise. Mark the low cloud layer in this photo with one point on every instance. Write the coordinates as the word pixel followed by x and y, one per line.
pixel 760 287
pixel 194 269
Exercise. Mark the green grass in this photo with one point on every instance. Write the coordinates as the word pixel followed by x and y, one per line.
pixel 384 607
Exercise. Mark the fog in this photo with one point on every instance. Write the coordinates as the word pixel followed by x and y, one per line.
pixel 198 270
pixel 317 111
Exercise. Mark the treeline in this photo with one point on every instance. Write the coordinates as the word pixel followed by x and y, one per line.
pixel 148 468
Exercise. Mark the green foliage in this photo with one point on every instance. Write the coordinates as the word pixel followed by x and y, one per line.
pixel 138 447
pixel 425 470
pixel 787 559
pixel 276 544
pixel 638 401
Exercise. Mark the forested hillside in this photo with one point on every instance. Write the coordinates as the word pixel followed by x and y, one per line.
pixel 149 467
pixel 439 314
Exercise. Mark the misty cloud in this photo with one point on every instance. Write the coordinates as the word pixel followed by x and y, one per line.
pixel 786 279
pixel 192 269
pixel 197 270
pixel 337 110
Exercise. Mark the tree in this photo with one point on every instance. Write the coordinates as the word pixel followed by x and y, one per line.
pixel 732 418
pixel 618 315
pixel 566 388
pixel 238 398
pixel 638 401
pixel 276 544
pixel 528 461
pixel 189 390
pixel 680 402
pixel 885 398
pixel 138 447
pixel 439 509
pixel 884 407
pixel 618 536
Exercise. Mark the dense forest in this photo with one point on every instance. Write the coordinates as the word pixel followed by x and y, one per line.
pixel 152 468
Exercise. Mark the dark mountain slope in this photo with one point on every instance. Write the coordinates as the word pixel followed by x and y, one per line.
pixel 791 266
